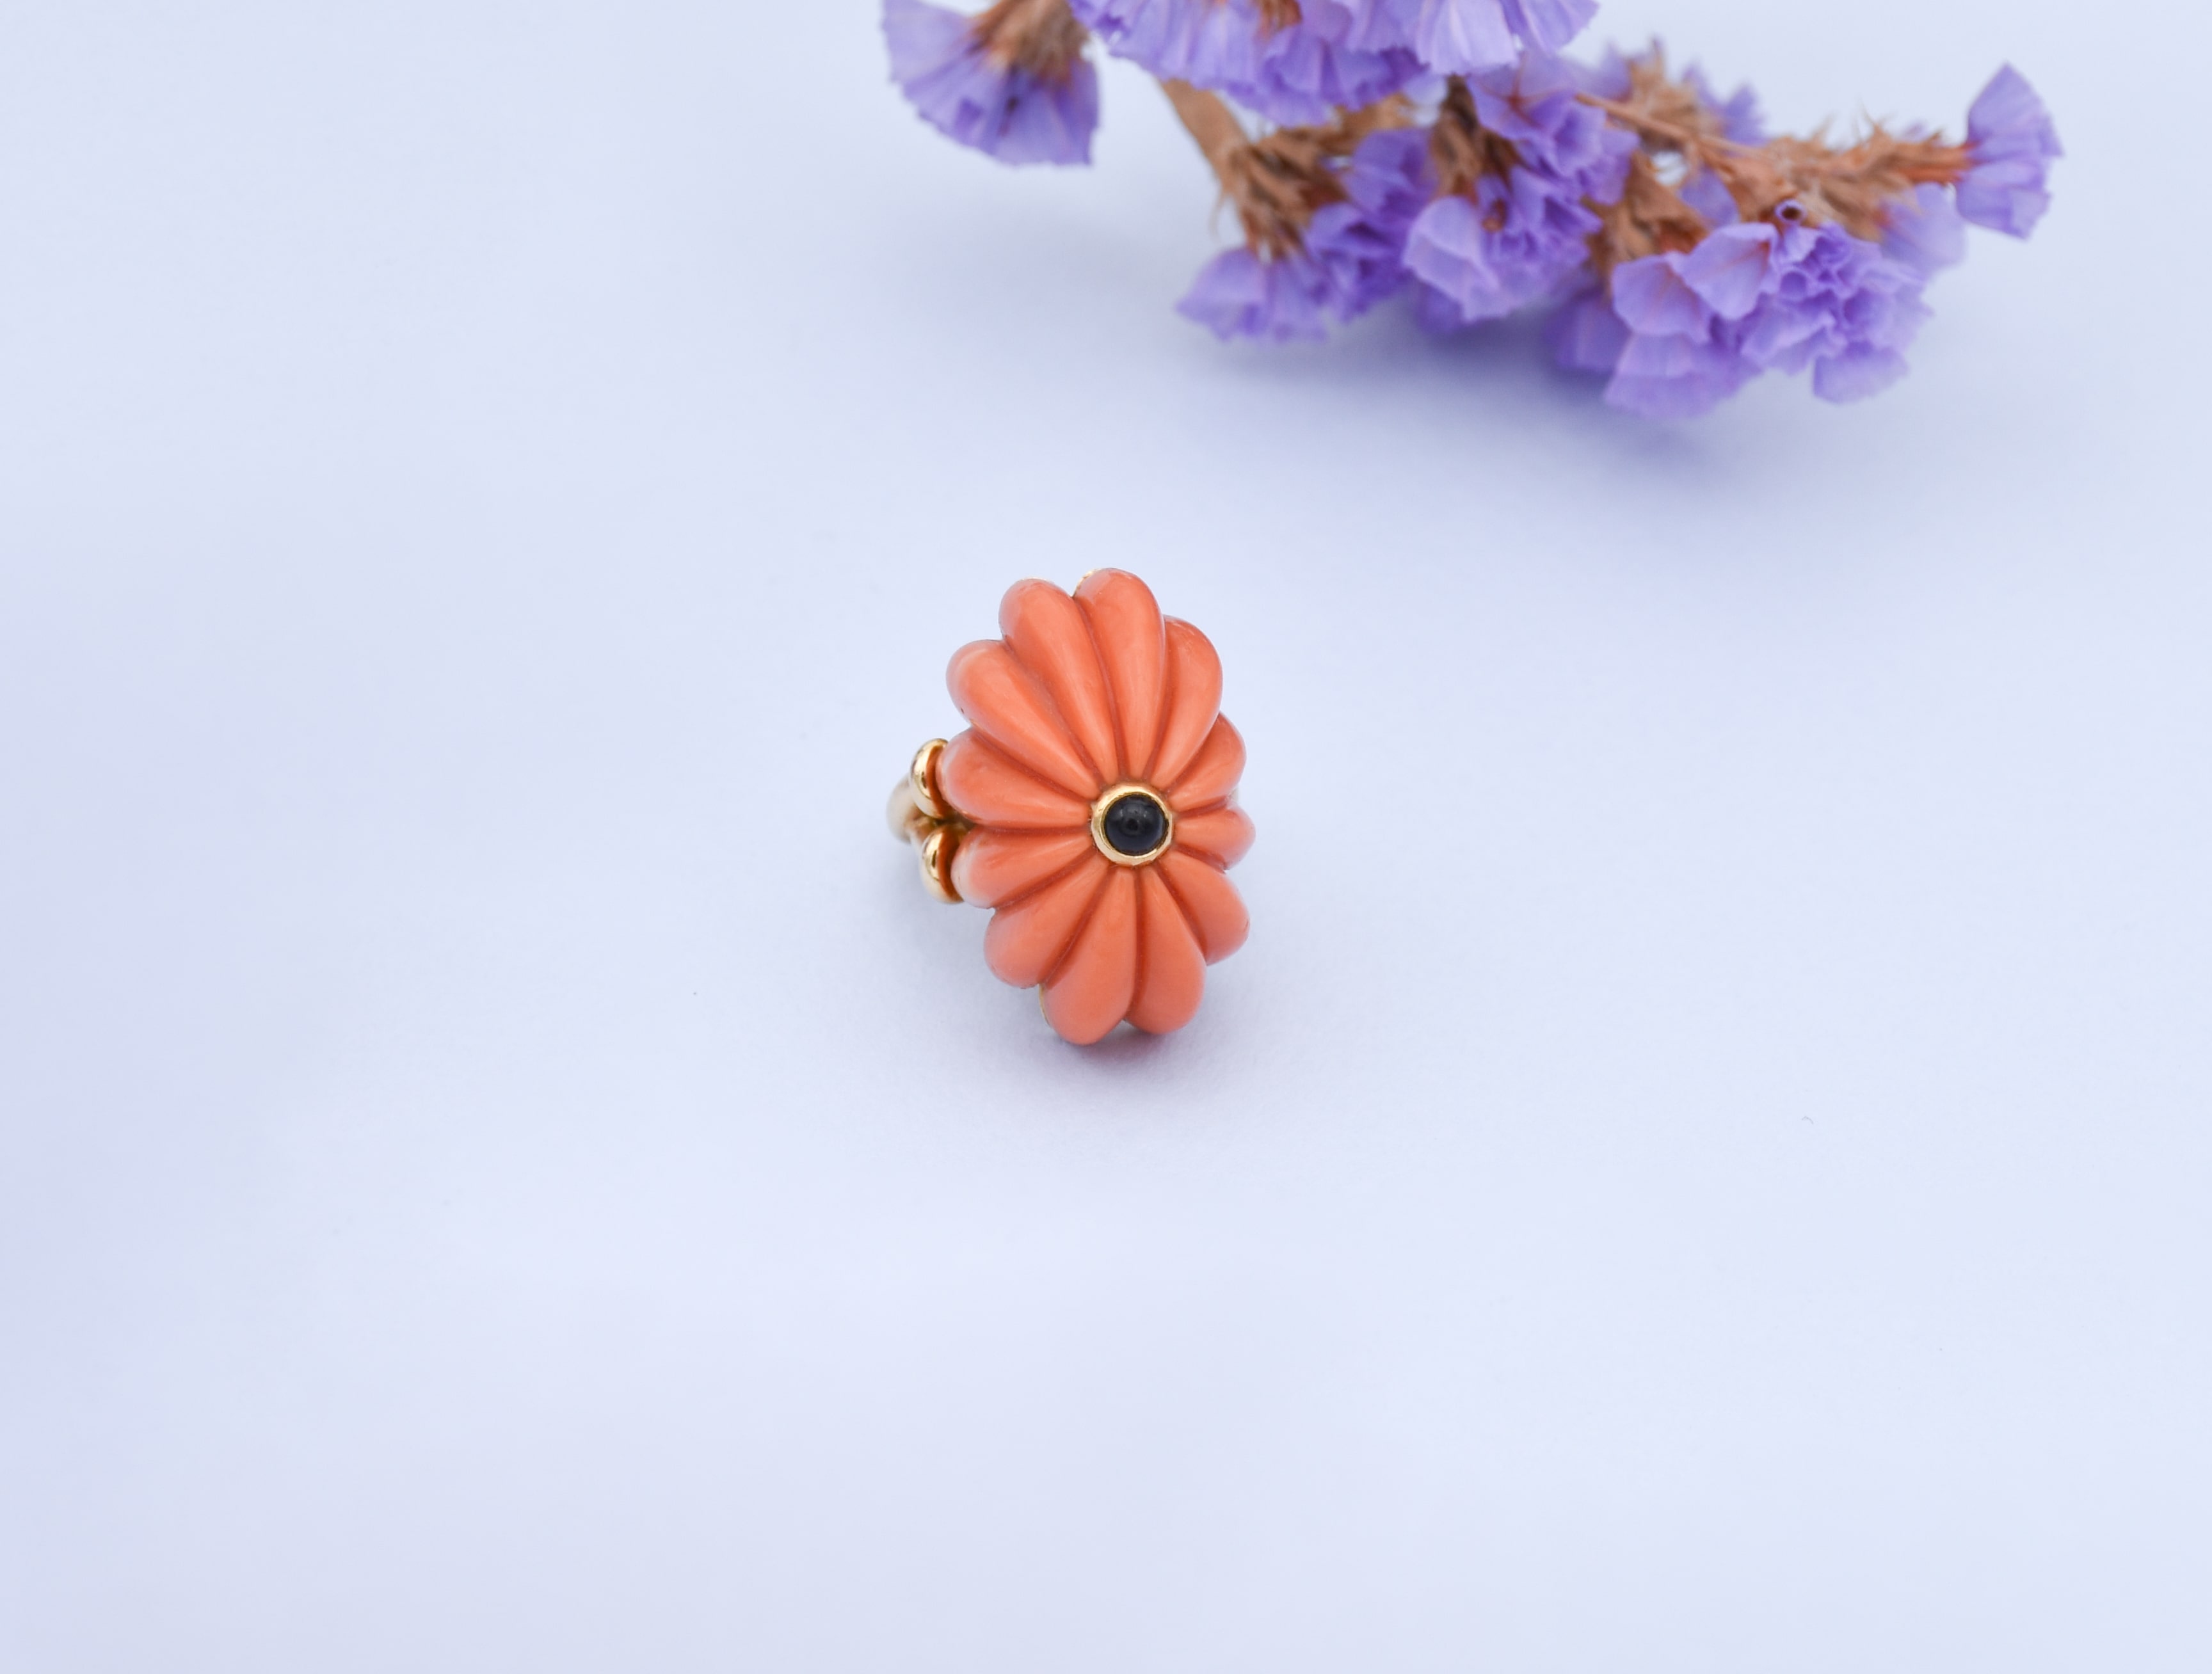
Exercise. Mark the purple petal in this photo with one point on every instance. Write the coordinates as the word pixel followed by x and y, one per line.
pixel 1295 74
pixel 1708 194
pixel 1730 269
pixel 1238 295
pixel 1548 25
pixel 1435 313
pixel 1445 249
pixel 2008 118
pixel 1925 231
pixel 1458 37
pixel 2006 198
pixel 2013 141
pixel 1652 299
pixel 1858 372
pixel 1674 377
pixel 1586 335
pixel 1010 114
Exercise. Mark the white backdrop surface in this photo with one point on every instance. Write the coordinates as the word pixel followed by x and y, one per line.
pixel 1702 1165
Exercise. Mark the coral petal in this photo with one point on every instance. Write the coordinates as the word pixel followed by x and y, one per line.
pixel 1025 941
pixel 1209 901
pixel 1124 622
pixel 1008 706
pixel 1193 700
pixel 988 788
pixel 1170 969
pixel 1213 773
pixel 1091 991
pixel 1223 835
pixel 991 866
pixel 1046 631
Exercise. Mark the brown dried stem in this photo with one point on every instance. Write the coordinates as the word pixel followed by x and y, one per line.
pixel 1460 149
pixel 1276 182
pixel 1857 186
pixel 1040 36
pixel 1647 219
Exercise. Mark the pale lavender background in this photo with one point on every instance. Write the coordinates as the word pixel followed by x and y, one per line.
pixel 1703 1166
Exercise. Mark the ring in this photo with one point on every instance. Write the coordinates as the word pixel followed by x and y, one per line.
pixel 1091 803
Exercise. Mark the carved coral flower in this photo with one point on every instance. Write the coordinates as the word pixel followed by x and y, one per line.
pixel 1098 780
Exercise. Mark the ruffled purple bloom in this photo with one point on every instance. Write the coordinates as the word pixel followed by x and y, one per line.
pixel 1681 359
pixel 1925 232
pixel 1297 73
pixel 1757 298
pixel 1339 54
pixel 1360 243
pixel 1533 106
pixel 1521 236
pixel 1240 294
pixel 1585 334
pixel 1501 249
pixel 1010 113
pixel 1354 256
pixel 1465 37
pixel 2012 141
pixel 1822 299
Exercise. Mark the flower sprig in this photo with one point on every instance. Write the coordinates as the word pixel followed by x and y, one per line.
pixel 1443 150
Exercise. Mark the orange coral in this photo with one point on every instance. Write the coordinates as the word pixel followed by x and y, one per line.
pixel 1098 778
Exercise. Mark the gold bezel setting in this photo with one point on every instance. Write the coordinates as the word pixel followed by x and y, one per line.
pixel 1112 794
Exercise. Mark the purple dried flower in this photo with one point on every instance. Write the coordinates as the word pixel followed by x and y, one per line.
pixel 1360 244
pixel 1294 63
pixel 1759 298
pixel 1828 300
pixel 1925 232
pixel 1670 377
pixel 1533 105
pixel 1266 54
pixel 1585 334
pixel 1462 37
pixel 1681 359
pixel 2012 141
pixel 1708 194
pixel 1012 81
pixel 1346 257
pixel 1506 240
pixel 1546 25
pixel 1511 245
pixel 1239 294
pixel 1389 177
pixel 1534 180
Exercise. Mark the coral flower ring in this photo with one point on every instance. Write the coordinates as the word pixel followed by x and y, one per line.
pixel 1092 804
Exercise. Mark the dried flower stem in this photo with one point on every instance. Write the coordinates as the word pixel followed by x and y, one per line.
pixel 1208 119
pixel 1460 148
pixel 1854 187
pixel 1276 182
pixel 1647 219
pixel 1039 36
